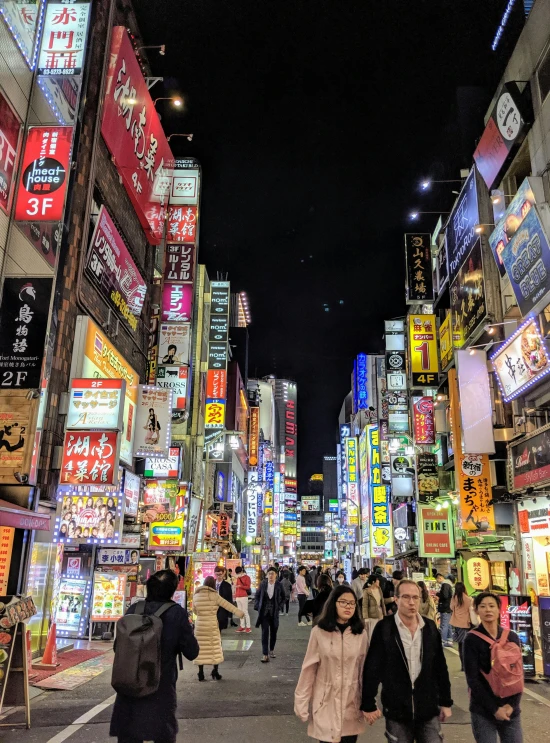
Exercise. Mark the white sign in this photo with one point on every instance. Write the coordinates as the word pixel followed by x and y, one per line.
pixel 195 507
pixel 132 485
pixel 160 467
pixel 175 379
pixel 73 567
pixel 64 38
pixel 396 381
pixel 251 511
pixel 153 422
pixel 185 187
pixel 174 341
pixel 117 557
pixel 476 410
pixel 311 503
pixel 96 404
pixel 521 361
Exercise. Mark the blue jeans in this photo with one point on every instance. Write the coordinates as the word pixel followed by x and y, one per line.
pixel 408 732
pixel 486 730
pixel 445 627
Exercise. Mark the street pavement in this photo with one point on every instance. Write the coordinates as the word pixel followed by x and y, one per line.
pixel 253 703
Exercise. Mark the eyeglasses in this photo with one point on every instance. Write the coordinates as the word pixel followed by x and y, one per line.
pixel 346 604
pixel 409 598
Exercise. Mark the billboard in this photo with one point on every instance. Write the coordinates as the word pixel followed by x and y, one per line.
pixel 290 429
pixel 521 361
pixel 423 420
pixel 182 224
pixel 427 476
pixel 254 436
pixel 418 261
pixel 174 343
pixel 476 405
pixel 311 503
pixel 218 338
pixel 153 422
pixel 166 535
pixel 468 304
pixel 360 382
pixel 445 342
pixel 96 403
pixel 89 517
pixel 63 44
pixel 90 458
pixel 460 234
pixel 531 459
pixel 179 263
pixel 435 532
pixel 177 302
pixel 10 130
pixel 423 350
pixel 174 378
pixel 185 185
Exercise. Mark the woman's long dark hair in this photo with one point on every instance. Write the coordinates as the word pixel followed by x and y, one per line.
pixel 460 592
pixel 324 582
pixel 424 591
pixel 329 617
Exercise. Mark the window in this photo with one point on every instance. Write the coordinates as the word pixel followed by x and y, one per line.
pixel 543 76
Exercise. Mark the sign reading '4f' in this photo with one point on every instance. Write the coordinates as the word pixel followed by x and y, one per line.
pixel 423 350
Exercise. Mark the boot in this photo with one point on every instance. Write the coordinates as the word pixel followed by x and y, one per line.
pixel 201 673
pixel 215 674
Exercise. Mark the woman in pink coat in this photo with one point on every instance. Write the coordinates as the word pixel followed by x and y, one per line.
pixel 328 695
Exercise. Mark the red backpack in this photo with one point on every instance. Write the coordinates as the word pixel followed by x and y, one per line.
pixel 506 675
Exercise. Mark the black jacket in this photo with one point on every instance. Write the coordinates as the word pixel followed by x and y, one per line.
pixel 445 595
pixel 154 717
pixel 227 594
pixel 477 658
pixel 386 664
pixel 315 606
pixel 261 599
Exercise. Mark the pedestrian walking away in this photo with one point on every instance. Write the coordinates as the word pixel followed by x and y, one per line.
pixel 461 605
pixel 358 584
pixel 427 604
pixel 494 672
pixel 243 589
pixel 303 593
pixel 328 693
pixel 314 607
pixel 286 585
pixel 268 604
pixel 373 604
pixel 444 608
pixel 406 657
pixel 153 717
pixel 206 605
pixel 223 587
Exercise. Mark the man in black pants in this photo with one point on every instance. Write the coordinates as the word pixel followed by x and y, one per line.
pixel 303 593
pixel 268 604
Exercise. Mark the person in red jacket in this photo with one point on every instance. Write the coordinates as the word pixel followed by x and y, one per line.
pixel 242 588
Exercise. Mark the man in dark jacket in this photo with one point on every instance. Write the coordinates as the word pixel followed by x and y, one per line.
pixel 224 589
pixel 269 601
pixel 406 657
pixel 444 608
pixel 153 717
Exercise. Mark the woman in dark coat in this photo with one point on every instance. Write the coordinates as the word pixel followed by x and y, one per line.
pixel 324 589
pixel 153 717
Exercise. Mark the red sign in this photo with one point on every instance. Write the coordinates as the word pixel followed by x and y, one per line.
pixel 423 417
pixel 135 138
pixel 179 263
pixel 10 127
pixel 44 174
pixel 182 224
pixel 90 458
pixel 216 384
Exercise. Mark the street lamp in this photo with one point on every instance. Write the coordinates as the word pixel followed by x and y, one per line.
pixel 160 47
pixel 189 136
pixel 176 100
pixel 415 215
pixel 425 185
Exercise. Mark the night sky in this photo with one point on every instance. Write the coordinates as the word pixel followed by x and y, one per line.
pixel 314 121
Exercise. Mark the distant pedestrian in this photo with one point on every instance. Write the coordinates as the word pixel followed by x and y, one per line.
pixel 427 604
pixel 354 574
pixel 406 656
pixel 444 608
pixel 461 604
pixel 373 605
pixel 223 587
pixel 314 606
pixel 286 585
pixel 303 594
pixel 358 584
pixel 269 600
pixel 243 589
pixel 206 605
pixel 341 579
pixel 153 717
pixel 389 591
pixel 494 675
pixel 331 671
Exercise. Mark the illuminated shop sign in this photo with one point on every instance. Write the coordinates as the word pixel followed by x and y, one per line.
pixel 521 361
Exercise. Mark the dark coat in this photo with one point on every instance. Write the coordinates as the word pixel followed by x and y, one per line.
pixel 154 717
pixel 444 598
pixel 262 598
pixel 315 606
pixel 227 594
pixel 386 664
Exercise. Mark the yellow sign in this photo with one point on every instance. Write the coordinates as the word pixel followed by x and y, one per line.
pixel 423 350
pixel 166 536
pixel 445 342
pixel 472 472
pixel 477 569
pixel 214 414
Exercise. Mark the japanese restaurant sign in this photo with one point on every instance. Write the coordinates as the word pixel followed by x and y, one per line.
pixel 182 224
pixel 17 422
pixel 90 458
pixel 44 174
pixel 64 38
pixel 10 128
pixel 112 269
pixel 423 350
pixel 24 315
pixel 179 263
pixel 96 403
pixel 423 420
pixel 435 532
pixel 177 302
pixel 418 257
pixel 521 361
pixel 153 422
pixel 135 138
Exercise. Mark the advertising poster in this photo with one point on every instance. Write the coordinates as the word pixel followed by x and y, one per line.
pixel 460 234
pixel 521 361
pixel 423 420
pixel 113 271
pixel 174 342
pixel 435 532
pixel 153 422
pixel 179 263
pixel 468 306
pixel 177 302
pixel 418 260
pixel 423 350
pixel 63 43
pixel 427 476
pixel 86 516
pixel 202 570
pixel 90 458
pixel 10 129
pixel 174 378
pixel 96 403
pixel 516 614
pixel 70 604
pixel 17 420
pixel 23 323
pixel 46 160
pixel 108 599
pixel 135 137
pixel 132 488
pixel 166 536
pixel 544 614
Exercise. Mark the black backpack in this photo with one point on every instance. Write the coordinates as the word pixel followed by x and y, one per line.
pixel 136 668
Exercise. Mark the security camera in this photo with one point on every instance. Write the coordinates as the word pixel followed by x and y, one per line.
pixel 21 477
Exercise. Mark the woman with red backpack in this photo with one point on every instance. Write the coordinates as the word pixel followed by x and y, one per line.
pixel 494 672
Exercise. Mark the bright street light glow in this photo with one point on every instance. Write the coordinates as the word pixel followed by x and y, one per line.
pixel 425 185
pixel 413 215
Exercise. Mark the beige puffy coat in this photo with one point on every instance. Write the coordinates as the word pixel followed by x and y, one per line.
pixel 328 695
pixel 206 602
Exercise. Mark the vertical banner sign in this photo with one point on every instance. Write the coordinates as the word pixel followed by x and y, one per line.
pixel 44 174
pixel 460 234
pixel 153 422
pixel 473 475
pixel 251 513
pixel 64 38
pixel 423 420
pixel 468 305
pixel 423 350
pixel 291 430
pixel 10 129
pixel 476 408
pixel 360 383
pixel 218 338
pixel 418 258
pixel 544 614
pixel 179 263
pixel 177 302
pixel 445 342
pixel 427 476
pixel 254 437
pixel 23 323
pixel 193 522
pixel 365 471
pixel 377 491
pixel 435 532
pixel 352 481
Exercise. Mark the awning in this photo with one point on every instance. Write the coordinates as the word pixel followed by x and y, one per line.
pixel 22 518
pixel 500 556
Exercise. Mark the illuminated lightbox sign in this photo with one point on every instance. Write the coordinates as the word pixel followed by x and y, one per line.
pixel 88 517
pixel 96 404
pixel 521 361
pixel 153 422
pixel 168 467
pixel 64 38
pixel 311 503
pixel 90 458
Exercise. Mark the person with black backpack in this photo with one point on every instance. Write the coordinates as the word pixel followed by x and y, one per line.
pixel 150 637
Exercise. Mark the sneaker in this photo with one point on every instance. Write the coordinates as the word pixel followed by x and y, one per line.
pixel 265 659
pixel 241 629
pixel 302 624
pixel 248 630
pixel 272 654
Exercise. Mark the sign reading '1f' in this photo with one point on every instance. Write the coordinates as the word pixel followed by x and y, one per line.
pixel 423 350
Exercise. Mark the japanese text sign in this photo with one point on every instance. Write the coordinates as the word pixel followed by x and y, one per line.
pixel 418 257
pixel 435 532
pixel 445 342
pixel 10 128
pixel 96 403
pixel 460 234
pixel 64 38
pixel 153 422
pixel 90 458
pixel 477 570
pixel 185 183
pixel 24 315
pixel 166 536
pixel 44 174
pixel 179 263
pixel 468 305
pixel 381 537
pixel 214 413
pixel 7 534
pixel 360 382
pixel 427 477
pixel 423 420
pixel 182 224
pixel 134 136
pixel 112 269
pixel 521 361
pixel 174 343
pixel 216 384
pixel 177 302
pixel 423 350
pixel 254 436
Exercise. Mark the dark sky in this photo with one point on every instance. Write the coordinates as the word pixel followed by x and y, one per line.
pixel 314 120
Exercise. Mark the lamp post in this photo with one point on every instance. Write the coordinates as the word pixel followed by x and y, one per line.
pixel 188 136
pixel 176 100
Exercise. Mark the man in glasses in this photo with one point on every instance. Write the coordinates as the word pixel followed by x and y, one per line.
pixel 406 657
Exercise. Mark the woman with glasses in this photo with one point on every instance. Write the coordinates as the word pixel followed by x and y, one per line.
pixel 328 694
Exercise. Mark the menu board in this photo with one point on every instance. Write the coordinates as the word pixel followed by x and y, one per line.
pixel 6 546
pixel 108 600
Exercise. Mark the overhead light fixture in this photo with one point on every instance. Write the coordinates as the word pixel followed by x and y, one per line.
pixel 413 215
pixel 425 185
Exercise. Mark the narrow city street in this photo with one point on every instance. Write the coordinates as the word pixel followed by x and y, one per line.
pixel 253 703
